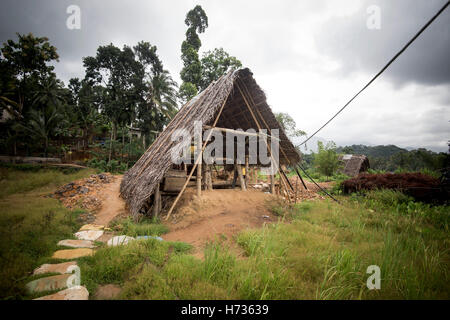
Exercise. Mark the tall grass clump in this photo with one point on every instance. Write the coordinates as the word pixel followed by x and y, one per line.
pixel 144 228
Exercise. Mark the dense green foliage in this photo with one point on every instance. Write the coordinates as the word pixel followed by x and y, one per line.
pixel 326 159
pixel 123 89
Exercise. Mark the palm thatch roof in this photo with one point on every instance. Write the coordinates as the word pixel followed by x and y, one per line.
pixel 354 164
pixel 140 181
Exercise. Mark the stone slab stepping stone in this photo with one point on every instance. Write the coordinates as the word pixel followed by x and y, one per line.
pixel 119 240
pixel 76 243
pixel 74 293
pixel 87 227
pixel 105 237
pixel 148 237
pixel 56 268
pixel 91 235
pixel 72 253
pixel 48 284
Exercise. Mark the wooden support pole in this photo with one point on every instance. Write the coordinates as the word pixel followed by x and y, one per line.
pixel 296 190
pixel 156 202
pixel 199 178
pixel 241 177
pixel 301 179
pixel 287 179
pixel 272 184
pixel 208 179
pixel 247 171
pixel 256 174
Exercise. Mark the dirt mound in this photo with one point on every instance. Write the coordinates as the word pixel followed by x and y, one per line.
pixel 420 186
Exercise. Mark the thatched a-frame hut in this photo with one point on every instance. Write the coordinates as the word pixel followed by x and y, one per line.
pixel 354 164
pixel 235 101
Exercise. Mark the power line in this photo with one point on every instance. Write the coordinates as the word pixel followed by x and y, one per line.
pixel 382 70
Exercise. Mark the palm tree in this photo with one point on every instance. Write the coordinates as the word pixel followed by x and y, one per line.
pixel 42 124
pixel 163 94
pixel 48 92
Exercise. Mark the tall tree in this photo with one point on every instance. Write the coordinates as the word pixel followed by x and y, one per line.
pixel 26 61
pixel 326 160
pixel 25 71
pixel 290 128
pixel 215 63
pixel 191 74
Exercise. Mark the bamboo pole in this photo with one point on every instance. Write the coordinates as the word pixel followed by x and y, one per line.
pixel 157 202
pixel 247 173
pixel 241 177
pixel 199 178
pixel 272 184
pixel 196 161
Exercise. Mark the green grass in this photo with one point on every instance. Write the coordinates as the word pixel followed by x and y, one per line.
pixel 30 224
pixel 143 228
pixel 22 179
pixel 317 250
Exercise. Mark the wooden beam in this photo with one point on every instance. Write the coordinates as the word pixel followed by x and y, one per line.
pixel 243 133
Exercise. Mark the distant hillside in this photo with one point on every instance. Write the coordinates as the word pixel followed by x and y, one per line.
pixel 392 158
pixel 376 152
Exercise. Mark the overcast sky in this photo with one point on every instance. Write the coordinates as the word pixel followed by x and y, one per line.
pixel 309 56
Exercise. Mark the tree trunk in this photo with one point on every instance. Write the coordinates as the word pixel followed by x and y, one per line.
pixel 110 146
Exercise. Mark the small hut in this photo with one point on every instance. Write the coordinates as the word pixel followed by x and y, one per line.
pixel 352 164
pixel 234 101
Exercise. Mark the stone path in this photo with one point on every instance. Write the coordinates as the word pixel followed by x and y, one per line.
pixel 68 279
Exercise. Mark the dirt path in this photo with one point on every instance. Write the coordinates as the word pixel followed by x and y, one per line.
pixel 218 215
pixel 112 203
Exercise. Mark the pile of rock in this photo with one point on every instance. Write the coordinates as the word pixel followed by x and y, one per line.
pixel 83 193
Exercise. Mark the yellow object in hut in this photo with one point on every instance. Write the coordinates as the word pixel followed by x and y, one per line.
pixel 243 171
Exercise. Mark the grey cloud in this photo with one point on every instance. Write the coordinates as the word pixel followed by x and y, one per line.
pixel 348 40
